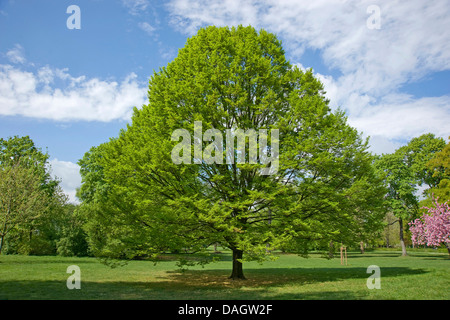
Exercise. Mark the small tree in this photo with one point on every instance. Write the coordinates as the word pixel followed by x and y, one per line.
pixel 22 198
pixel 439 172
pixel 404 170
pixel 432 229
pixel 32 204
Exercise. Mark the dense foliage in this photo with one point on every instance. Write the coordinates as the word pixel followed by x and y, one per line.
pixel 433 228
pixel 35 217
pixel 311 184
pixel 137 201
pixel 404 171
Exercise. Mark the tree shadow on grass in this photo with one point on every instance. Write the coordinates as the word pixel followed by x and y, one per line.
pixel 430 256
pixel 266 277
pixel 268 283
pixel 424 256
pixel 48 260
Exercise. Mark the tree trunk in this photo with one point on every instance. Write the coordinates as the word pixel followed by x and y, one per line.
pixel 361 247
pixel 402 242
pixel 237 272
pixel 269 222
pixel 1 243
pixel 331 250
pixel 4 231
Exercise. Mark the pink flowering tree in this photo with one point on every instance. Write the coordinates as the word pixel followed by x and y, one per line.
pixel 432 229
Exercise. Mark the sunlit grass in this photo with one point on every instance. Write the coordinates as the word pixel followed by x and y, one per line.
pixel 421 275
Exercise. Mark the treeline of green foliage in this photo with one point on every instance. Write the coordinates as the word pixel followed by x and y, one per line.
pixel 328 190
pixel 35 215
pixel 61 231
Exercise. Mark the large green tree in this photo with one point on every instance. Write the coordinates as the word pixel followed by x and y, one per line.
pixel 320 187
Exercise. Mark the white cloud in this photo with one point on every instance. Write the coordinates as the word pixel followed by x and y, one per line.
pixel 69 174
pixel 148 28
pixel 374 64
pixel 16 55
pixel 188 16
pixel 402 116
pixel 35 95
pixel 136 7
pixel 410 42
pixel 143 8
pixel 380 145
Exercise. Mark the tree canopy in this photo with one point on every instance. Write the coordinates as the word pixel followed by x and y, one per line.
pixel 404 170
pixel 433 228
pixel 139 202
pixel 22 150
pixel 22 200
pixel 439 171
pixel 34 214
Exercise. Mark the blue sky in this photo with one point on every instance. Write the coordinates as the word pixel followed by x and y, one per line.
pixel 70 89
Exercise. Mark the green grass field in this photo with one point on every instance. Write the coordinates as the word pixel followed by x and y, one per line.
pixel 421 275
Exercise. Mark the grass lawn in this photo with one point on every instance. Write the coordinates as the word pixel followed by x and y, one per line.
pixel 421 275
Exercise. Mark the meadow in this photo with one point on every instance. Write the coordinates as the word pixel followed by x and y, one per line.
pixel 421 275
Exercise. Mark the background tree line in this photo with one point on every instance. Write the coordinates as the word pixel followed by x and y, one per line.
pixel 35 216
pixel 51 225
